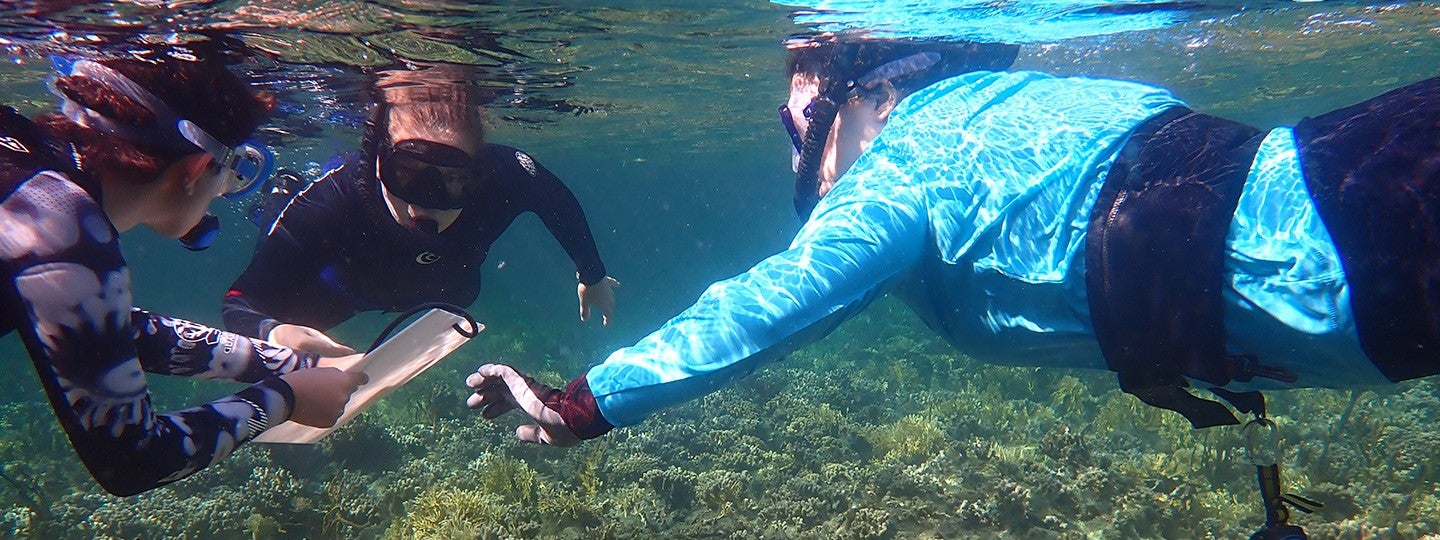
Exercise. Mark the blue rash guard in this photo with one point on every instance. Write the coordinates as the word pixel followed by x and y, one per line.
pixel 67 293
pixel 973 204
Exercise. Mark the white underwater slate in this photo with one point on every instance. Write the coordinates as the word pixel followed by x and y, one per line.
pixel 395 362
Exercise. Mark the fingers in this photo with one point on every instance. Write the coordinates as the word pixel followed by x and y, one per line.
pixel 304 338
pixel 350 362
pixel 499 389
pixel 599 295
pixel 322 394
pixel 491 395
pixel 607 310
pixel 538 435
pixel 499 383
pixel 531 433
pixel 495 410
pixel 317 342
pixel 474 380
pixel 492 402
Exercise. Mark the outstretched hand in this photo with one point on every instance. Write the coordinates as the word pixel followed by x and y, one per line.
pixel 499 389
pixel 306 339
pixel 601 295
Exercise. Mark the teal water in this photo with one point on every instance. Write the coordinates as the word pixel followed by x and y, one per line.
pixel 661 120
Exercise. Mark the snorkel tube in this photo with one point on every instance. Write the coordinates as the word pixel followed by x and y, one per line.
pixel 822 117
pixel 812 153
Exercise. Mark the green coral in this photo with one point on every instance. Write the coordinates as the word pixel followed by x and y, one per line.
pixel 450 514
pixel 912 439
pixel 508 478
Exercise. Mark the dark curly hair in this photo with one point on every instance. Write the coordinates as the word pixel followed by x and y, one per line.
pixel 198 87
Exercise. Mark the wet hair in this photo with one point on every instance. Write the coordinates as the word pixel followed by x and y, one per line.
pixel 838 61
pixel 442 97
pixel 197 86
pixel 463 123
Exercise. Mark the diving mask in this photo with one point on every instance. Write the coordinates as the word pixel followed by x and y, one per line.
pixel 429 174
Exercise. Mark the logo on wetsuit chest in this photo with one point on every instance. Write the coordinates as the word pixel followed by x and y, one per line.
pixel 527 163
pixel 427 257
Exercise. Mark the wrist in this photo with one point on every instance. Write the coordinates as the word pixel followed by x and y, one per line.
pixel 579 410
pixel 267 329
pixel 589 278
pixel 287 395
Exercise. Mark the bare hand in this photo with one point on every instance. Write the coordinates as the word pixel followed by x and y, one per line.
pixel 306 339
pixel 321 394
pixel 600 295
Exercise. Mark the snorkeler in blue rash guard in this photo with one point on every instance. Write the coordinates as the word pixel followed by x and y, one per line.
pixel 1072 222
pixel 409 222
pixel 146 140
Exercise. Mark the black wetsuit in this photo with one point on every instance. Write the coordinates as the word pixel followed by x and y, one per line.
pixel 336 250
pixel 67 293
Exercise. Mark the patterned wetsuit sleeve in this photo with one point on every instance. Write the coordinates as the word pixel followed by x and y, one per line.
pixel 558 208
pixel 287 257
pixel 63 260
pixel 179 347
pixel 856 240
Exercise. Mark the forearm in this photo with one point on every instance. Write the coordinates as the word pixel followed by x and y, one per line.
pixel 638 381
pixel 178 347
pixel 837 265
pixel 147 450
pixel 562 214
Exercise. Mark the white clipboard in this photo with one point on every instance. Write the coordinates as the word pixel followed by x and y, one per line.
pixel 395 362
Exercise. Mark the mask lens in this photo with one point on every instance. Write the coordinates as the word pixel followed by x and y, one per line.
pixel 429 175
pixel 252 164
pixel 423 184
pixel 433 153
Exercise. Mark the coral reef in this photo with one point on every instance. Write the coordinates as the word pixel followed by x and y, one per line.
pixel 879 431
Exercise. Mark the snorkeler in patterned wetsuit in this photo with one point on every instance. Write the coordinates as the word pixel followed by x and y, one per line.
pixel 407 223
pixel 148 141
pixel 1045 221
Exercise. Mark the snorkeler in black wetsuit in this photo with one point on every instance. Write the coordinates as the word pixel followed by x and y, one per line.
pixel 408 222
pixel 336 250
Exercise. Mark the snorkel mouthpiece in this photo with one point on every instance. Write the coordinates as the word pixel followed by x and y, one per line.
pixel 203 234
